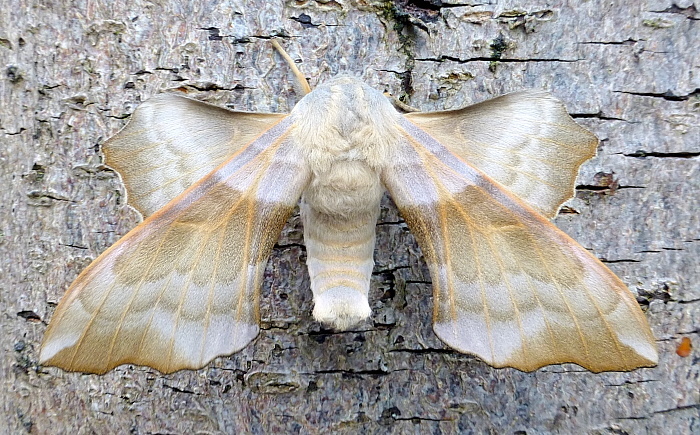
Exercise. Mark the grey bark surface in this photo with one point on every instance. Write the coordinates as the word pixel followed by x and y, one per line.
pixel 73 71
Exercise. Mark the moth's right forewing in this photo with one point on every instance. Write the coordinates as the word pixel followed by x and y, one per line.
pixel 508 285
pixel 172 141
pixel 182 288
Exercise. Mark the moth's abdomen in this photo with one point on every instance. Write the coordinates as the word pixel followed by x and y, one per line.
pixel 340 211
pixel 340 262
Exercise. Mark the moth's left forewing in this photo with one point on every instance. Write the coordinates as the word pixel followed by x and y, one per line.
pixel 509 286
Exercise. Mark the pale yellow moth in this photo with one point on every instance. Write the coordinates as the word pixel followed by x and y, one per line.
pixel 475 186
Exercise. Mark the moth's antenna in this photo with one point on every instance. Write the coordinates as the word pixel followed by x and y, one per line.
pixel 400 104
pixel 303 84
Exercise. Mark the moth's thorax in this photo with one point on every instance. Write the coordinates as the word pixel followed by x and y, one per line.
pixel 348 130
pixel 345 118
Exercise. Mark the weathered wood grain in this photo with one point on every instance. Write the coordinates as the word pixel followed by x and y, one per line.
pixel 73 71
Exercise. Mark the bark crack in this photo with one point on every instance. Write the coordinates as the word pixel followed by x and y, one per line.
pixel 678 408
pixel 676 155
pixel 690 12
pixel 668 95
pixel 492 58
pixel 600 116
pixel 632 382
pixel 628 41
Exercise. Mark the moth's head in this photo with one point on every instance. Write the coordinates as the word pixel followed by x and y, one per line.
pixel 346 94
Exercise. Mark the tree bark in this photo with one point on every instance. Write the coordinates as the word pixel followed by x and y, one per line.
pixel 73 71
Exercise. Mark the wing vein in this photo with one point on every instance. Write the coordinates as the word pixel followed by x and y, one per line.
pixel 164 287
pixel 508 120
pixel 607 325
pixel 162 292
pixel 108 293
pixel 146 193
pixel 234 207
pixel 549 272
pixel 487 314
pixel 544 139
pixel 210 296
pixel 425 155
pixel 584 343
pixel 499 259
pixel 250 218
pixel 183 295
pixel 481 145
pixel 89 324
pixel 154 144
pixel 512 168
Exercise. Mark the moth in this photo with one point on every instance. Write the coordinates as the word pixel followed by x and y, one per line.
pixel 476 187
